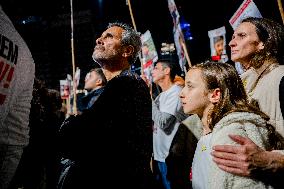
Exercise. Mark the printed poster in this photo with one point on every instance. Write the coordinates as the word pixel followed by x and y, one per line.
pixel 178 35
pixel 218 44
pixel 149 54
pixel 65 89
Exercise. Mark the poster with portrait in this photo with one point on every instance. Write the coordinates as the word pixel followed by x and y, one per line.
pixel 247 9
pixel 149 53
pixel 64 89
pixel 174 11
pixel 178 35
pixel 179 42
pixel 218 44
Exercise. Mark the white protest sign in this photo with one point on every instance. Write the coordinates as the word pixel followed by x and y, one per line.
pixel 218 44
pixel 247 9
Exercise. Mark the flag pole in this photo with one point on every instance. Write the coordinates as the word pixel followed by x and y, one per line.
pixel 186 54
pixel 281 10
pixel 140 58
pixel 73 61
pixel 134 25
pixel 131 14
pixel 176 22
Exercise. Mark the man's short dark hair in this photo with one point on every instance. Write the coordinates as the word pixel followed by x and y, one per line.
pixel 172 64
pixel 129 37
pixel 101 74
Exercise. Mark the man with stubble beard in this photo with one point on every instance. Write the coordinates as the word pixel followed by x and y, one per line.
pixel 111 142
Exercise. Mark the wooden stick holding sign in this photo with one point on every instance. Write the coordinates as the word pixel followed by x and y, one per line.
pixel 281 10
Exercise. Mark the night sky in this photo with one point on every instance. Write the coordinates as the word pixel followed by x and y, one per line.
pixel 47 28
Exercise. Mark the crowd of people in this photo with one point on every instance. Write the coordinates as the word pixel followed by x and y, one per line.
pixel 215 129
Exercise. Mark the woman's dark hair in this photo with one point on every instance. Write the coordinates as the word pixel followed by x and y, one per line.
pixel 271 34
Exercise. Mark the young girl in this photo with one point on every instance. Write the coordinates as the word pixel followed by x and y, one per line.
pixel 215 93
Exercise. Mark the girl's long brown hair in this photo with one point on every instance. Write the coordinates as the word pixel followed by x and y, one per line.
pixel 233 95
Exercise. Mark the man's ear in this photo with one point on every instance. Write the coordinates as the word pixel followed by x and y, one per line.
pixel 215 95
pixel 128 51
pixel 260 46
pixel 99 82
pixel 167 70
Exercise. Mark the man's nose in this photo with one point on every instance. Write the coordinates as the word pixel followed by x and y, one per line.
pixel 99 41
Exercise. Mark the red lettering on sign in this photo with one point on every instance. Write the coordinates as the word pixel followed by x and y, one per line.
pixel 9 77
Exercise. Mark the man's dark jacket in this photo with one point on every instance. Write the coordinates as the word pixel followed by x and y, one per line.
pixel 111 142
